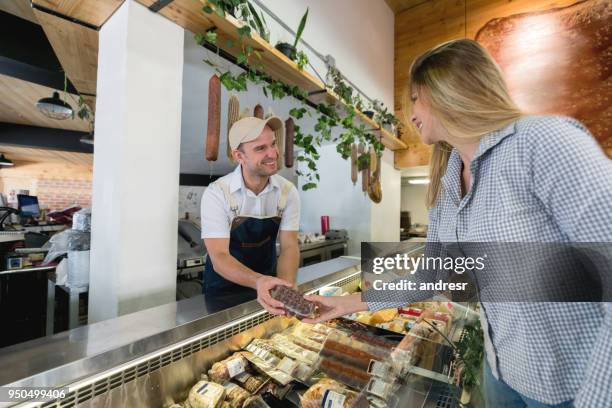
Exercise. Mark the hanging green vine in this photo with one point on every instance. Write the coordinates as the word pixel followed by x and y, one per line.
pixel 327 118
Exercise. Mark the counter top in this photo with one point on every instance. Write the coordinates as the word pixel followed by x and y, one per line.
pixel 65 357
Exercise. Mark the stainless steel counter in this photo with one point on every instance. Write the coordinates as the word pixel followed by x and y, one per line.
pixel 83 352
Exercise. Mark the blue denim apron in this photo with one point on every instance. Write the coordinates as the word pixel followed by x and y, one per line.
pixel 252 243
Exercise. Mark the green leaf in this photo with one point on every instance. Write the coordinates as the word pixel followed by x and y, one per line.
pixel 220 12
pixel 207 9
pixel 211 37
pixel 297 113
pixel 300 29
pixel 309 186
pixel 244 31
pixel 242 59
pixel 209 62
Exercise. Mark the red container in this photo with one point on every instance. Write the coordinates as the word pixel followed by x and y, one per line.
pixel 324 224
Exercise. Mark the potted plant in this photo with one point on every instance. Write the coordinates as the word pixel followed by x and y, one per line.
pixel 290 50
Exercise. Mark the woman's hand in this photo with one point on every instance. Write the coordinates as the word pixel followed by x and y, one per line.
pixel 335 306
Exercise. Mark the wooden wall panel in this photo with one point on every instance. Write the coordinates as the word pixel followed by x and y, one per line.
pixel 426 25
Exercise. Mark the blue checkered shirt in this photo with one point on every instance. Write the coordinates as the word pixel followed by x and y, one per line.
pixel 540 179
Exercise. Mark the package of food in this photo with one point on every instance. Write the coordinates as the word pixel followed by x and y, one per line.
pixel 251 382
pixel 294 302
pixel 206 394
pixel 347 351
pixel 265 351
pixel 235 395
pixel 384 315
pixel 346 374
pixel 268 369
pixel 410 311
pixel 283 343
pixel 331 394
pixel 379 388
pixel 230 367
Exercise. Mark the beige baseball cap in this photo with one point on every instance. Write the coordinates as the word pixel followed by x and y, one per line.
pixel 249 128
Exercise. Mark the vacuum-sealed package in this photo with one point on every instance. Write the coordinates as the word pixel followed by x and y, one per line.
pixel 223 370
pixel 294 302
pixel 332 394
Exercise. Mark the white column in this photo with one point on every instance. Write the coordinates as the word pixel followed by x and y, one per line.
pixel 136 163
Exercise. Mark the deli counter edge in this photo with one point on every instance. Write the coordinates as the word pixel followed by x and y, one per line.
pixel 67 357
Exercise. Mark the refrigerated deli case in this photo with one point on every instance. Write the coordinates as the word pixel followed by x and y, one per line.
pixel 154 357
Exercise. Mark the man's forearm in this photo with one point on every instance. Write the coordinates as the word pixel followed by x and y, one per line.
pixel 288 263
pixel 232 270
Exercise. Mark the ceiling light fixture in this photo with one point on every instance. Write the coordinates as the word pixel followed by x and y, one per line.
pixel 4 161
pixel 418 181
pixel 54 107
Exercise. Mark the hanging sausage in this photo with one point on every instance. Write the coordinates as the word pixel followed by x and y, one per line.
pixel 233 114
pixel 289 138
pixel 214 118
pixel 258 112
pixel 354 170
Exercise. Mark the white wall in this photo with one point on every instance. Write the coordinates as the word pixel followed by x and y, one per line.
pixel 346 205
pixel 386 214
pixel 136 165
pixel 413 200
pixel 358 33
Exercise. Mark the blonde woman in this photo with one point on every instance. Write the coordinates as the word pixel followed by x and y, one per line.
pixel 498 175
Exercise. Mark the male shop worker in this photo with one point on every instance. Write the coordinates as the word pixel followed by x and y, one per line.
pixel 242 214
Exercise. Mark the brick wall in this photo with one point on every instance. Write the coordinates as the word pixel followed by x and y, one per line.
pixel 57 185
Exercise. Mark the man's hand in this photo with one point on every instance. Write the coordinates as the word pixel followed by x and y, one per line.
pixel 263 286
pixel 335 306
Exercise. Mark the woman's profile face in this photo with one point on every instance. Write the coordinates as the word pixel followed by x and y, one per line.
pixel 429 127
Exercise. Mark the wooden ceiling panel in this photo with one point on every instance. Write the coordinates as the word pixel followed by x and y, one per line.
pixel 76 47
pixel 94 12
pixel 32 155
pixel 18 105
pixel 19 8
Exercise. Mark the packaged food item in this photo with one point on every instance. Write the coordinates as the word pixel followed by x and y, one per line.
pixel 331 394
pixel 269 369
pixel 347 352
pixel 235 396
pixel 222 371
pixel 382 316
pixel 265 350
pixel 282 342
pixel 206 394
pixel 410 311
pixel 346 374
pixel 380 369
pixel 253 383
pixel 380 388
pixel 294 302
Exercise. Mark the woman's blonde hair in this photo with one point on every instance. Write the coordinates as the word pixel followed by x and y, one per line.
pixel 465 90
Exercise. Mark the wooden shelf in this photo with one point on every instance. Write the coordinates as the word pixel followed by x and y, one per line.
pixel 189 15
